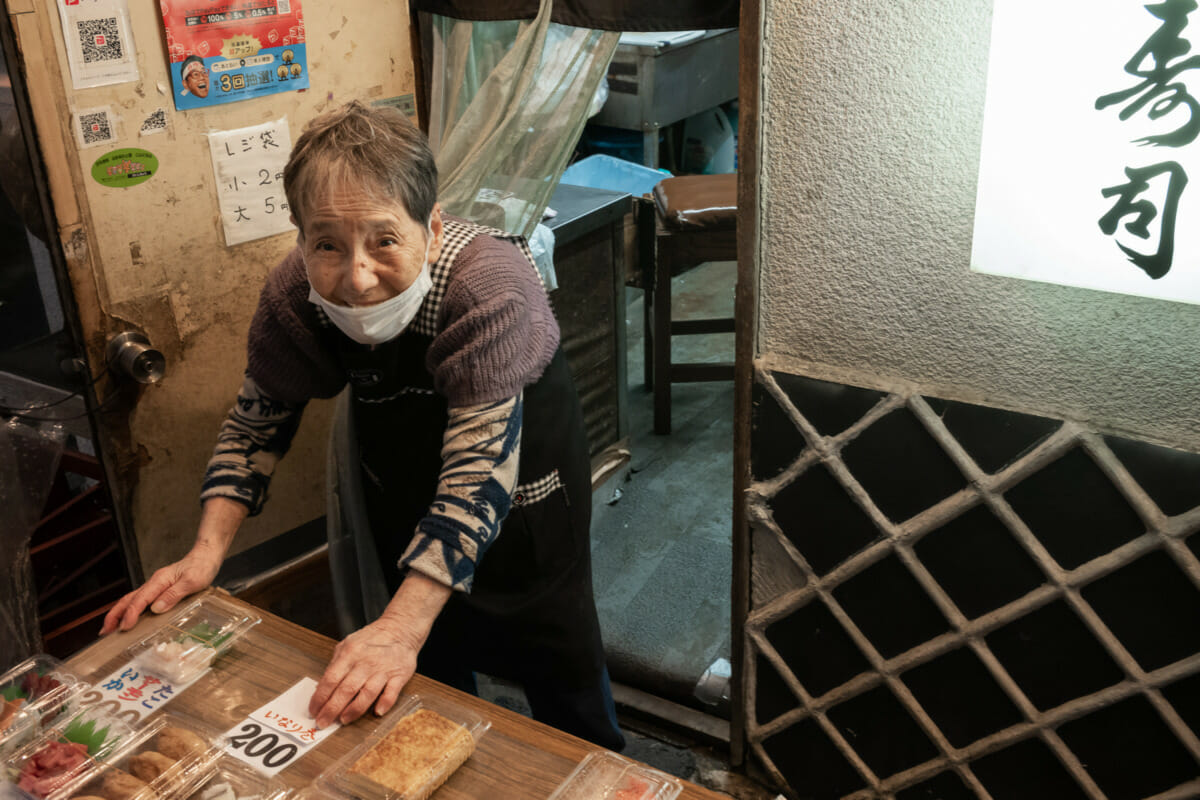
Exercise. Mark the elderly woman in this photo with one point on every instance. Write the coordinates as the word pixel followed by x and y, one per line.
pixel 473 456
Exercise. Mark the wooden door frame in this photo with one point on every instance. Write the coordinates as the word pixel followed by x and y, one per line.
pixel 41 101
pixel 745 312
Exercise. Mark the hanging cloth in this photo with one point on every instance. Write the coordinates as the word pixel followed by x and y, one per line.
pixel 508 103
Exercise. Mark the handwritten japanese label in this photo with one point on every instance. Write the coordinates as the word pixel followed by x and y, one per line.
pixel 1159 62
pixel 278 733
pixel 248 166
pixel 1091 130
pixel 131 693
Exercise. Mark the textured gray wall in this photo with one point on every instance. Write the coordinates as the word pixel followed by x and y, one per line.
pixel 871 116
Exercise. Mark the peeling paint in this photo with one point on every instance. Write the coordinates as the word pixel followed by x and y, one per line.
pixel 135 254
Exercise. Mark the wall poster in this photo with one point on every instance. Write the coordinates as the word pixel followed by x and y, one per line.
pixel 1089 139
pixel 232 50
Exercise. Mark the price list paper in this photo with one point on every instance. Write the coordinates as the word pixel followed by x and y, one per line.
pixel 132 693
pixel 248 166
pixel 278 733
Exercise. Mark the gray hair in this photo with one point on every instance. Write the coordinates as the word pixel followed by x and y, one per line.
pixel 374 148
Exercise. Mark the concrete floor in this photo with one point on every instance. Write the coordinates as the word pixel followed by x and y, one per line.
pixel 661 550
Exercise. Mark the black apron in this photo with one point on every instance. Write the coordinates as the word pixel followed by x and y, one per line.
pixel 530 614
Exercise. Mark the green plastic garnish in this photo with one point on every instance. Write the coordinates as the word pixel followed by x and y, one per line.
pixel 209 635
pixel 12 692
pixel 84 732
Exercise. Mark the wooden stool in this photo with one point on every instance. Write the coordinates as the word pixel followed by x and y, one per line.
pixel 695 222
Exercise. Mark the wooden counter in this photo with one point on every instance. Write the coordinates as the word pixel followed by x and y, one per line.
pixel 517 757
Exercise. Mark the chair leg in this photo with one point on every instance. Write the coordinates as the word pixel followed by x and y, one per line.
pixel 646 220
pixel 662 346
pixel 648 332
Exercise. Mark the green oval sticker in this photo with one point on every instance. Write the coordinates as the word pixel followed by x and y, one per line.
pixel 128 166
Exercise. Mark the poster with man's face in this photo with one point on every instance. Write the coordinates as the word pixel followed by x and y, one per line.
pixel 233 50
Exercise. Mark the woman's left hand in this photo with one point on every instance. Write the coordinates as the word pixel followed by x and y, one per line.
pixel 371 665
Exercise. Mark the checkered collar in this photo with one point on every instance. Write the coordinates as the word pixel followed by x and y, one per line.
pixel 457 233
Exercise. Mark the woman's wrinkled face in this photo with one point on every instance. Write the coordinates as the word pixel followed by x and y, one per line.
pixel 361 250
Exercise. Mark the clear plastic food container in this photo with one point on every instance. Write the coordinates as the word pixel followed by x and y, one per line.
pixel 607 776
pixel 166 758
pixel 191 640
pixel 234 780
pixel 66 755
pixel 412 752
pixel 33 694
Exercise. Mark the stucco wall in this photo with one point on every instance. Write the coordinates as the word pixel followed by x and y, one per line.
pixel 871 121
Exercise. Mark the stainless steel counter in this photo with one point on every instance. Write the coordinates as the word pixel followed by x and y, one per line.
pixel 652 84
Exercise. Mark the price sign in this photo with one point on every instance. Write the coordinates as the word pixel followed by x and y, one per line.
pixel 131 693
pixel 278 733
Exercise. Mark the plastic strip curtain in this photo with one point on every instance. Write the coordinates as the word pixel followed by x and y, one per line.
pixel 508 103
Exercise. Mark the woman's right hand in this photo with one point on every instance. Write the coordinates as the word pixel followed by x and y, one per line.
pixel 219 523
pixel 166 587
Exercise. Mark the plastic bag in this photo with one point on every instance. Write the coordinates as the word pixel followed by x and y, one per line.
pixel 29 460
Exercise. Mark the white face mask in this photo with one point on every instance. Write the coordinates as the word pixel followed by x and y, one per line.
pixel 384 321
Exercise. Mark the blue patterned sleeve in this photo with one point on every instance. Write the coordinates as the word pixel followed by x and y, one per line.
pixel 480 455
pixel 256 433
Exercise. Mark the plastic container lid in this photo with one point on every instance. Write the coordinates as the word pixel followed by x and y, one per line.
pixel 66 755
pixel 386 766
pixel 191 640
pixel 607 776
pixel 235 780
pixel 34 692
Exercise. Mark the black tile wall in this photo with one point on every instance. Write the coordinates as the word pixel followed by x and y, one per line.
pixel 1184 697
pixel 1171 477
pixel 883 734
pixel 902 467
pixel 1128 750
pixel 1028 770
pixel 821 520
pixel 994 438
pixel 817 649
pixel 975 558
pixel 772 697
pixel 946 786
pixel 1053 657
pixel 890 607
pixel 808 759
pixel 1152 604
pixel 1074 510
pixel 1152 608
pixel 829 407
pixel 777 440
pixel 956 681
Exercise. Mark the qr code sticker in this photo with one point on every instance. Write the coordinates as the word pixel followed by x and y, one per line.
pixel 94 126
pixel 155 123
pixel 100 40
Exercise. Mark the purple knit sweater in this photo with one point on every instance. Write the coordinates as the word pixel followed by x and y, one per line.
pixel 496 330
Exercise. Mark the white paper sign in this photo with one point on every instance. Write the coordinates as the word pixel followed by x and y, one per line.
pixel 133 694
pixel 99 42
pixel 248 165
pixel 280 732
pixel 1090 133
